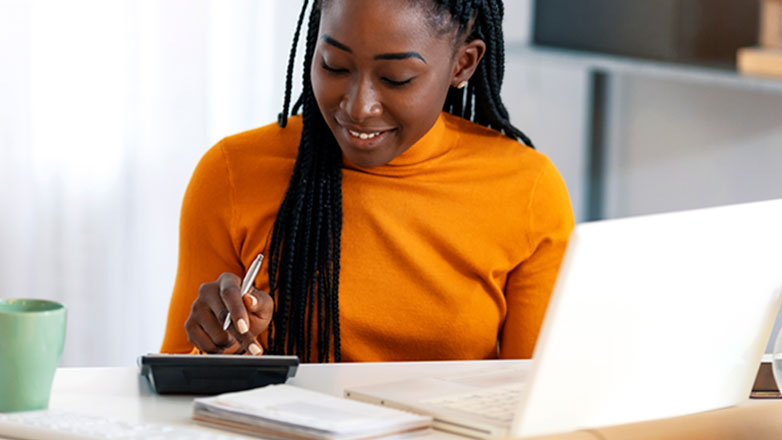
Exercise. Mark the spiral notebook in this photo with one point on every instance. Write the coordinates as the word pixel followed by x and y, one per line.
pixel 289 412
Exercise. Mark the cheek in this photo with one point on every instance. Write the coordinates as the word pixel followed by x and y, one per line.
pixel 322 89
pixel 317 83
pixel 423 106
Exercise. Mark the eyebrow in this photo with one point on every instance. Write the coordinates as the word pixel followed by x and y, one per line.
pixel 335 43
pixel 400 56
pixel 382 56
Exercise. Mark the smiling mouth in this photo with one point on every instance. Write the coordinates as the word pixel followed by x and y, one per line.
pixel 364 136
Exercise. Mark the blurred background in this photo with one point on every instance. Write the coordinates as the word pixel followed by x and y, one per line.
pixel 107 105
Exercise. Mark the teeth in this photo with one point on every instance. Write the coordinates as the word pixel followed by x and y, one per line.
pixel 363 136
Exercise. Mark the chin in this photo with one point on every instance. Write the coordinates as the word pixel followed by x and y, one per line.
pixel 365 161
pixel 368 156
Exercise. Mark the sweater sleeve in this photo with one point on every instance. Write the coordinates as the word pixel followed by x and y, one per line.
pixel 530 284
pixel 206 242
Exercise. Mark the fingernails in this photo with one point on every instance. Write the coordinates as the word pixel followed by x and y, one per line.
pixel 255 349
pixel 242 326
pixel 252 300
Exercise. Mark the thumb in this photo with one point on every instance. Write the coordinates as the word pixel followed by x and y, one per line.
pixel 261 308
pixel 258 302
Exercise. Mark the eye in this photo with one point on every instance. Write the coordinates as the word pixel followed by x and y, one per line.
pixel 393 83
pixel 332 69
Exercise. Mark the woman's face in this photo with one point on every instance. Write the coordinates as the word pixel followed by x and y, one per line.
pixel 380 75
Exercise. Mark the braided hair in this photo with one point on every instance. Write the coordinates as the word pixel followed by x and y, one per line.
pixel 304 254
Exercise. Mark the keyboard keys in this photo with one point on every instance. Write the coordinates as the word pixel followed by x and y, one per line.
pixel 497 403
pixel 58 425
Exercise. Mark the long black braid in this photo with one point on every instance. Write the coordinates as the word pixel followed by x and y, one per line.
pixel 304 249
pixel 304 253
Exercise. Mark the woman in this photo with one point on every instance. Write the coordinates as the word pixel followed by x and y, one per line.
pixel 411 224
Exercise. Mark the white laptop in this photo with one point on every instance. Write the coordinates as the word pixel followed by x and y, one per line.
pixel 651 317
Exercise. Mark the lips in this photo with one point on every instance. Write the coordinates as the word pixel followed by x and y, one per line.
pixel 365 140
pixel 364 135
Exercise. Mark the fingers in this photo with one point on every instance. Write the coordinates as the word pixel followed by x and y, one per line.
pixel 203 327
pixel 259 303
pixel 198 337
pixel 231 295
pixel 261 308
pixel 204 332
pixel 254 348
pixel 250 316
pixel 231 300
pixel 233 348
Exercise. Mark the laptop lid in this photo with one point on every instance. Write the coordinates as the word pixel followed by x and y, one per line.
pixel 656 316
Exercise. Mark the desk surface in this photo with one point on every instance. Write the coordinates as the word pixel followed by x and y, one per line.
pixel 120 393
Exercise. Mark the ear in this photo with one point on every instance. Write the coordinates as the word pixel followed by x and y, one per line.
pixel 467 59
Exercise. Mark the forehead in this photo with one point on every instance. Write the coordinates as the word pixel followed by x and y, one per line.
pixel 378 26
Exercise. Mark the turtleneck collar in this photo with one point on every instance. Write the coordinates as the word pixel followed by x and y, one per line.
pixel 420 156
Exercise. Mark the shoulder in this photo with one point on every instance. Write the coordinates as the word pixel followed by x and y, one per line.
pixel 517 171
pixel 238 163
pixel 497 150
pixel 253 152
pixel 270 141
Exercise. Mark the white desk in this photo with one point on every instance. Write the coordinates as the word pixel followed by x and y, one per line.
pixel 121 393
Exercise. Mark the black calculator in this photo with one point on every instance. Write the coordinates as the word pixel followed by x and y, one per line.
pixel 208 374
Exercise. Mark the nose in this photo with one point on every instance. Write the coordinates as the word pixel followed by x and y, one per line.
pixel 361 101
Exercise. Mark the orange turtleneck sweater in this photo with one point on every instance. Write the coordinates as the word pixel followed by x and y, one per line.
pixel 450 251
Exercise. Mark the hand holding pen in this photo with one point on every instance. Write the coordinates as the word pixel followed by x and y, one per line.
pixel 247 283
pixel 226 301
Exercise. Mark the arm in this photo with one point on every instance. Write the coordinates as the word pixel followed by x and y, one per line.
pixel 206 243
pixel 529 285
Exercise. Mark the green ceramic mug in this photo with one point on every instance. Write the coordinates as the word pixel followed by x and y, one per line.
pixel 32 334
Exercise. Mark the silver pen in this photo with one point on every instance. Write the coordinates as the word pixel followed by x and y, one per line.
pixel 247 283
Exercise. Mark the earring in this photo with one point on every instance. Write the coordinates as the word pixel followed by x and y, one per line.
pixel 461 85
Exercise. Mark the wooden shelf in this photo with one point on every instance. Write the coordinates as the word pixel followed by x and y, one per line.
pixel 653 69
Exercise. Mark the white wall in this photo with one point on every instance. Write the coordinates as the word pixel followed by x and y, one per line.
pixel 105 108
pixel 679 145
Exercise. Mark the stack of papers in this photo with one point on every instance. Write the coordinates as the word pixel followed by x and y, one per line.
pixel 285 411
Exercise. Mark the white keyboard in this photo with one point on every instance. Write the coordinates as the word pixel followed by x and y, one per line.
pixel 496 403
pixel 56 425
